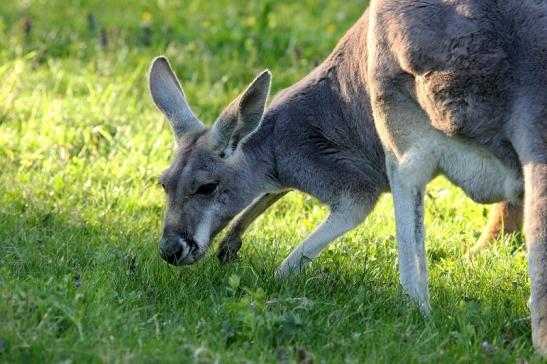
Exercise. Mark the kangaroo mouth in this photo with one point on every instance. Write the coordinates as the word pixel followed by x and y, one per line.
pixel 187 251
pixel 183 252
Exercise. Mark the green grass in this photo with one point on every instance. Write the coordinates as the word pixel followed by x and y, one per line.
pixel 81 146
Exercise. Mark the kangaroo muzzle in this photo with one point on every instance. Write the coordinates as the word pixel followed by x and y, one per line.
pixel 177 250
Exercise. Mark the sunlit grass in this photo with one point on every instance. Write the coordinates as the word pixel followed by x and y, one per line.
pixel 81 146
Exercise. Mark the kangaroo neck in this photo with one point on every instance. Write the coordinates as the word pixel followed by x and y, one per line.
pixel 339 82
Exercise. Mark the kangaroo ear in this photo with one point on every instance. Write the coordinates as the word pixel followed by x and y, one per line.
pixel 169 97
pixel 242 116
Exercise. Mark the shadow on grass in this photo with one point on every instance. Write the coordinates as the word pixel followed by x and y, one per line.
pixel 65 280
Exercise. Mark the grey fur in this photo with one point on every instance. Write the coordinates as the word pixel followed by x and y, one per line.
pixel 242 116
pixel 169 97
pixel 470 74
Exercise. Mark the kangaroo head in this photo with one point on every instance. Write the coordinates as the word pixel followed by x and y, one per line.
pixel 205 184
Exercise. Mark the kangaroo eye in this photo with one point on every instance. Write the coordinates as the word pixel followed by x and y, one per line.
pixel 206 189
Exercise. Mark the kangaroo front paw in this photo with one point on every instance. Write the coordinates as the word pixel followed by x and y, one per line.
pixel 228 249
pixel 293 265
pixel 283 271
pixel 425 308
pixel 419 295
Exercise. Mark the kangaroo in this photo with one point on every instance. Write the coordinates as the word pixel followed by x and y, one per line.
pixel 317 137
pixel 459 88
pixel 364 122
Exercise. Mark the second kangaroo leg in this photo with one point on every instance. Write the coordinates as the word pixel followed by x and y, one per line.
pixel 503 218
pixel 408 177
pixel 230 245
pixel 530 142
pixel 342 219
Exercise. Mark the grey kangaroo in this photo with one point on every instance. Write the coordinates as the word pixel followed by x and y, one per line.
pixel 414 89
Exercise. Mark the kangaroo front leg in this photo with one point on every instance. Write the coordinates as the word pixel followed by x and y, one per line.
pixel 341 220
pixel 230 245
pixel 408 178
pixel 412 157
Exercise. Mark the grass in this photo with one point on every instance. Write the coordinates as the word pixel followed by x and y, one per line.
pixel 81 146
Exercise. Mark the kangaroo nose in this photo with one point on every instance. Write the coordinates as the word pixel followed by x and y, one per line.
pixel 170 252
